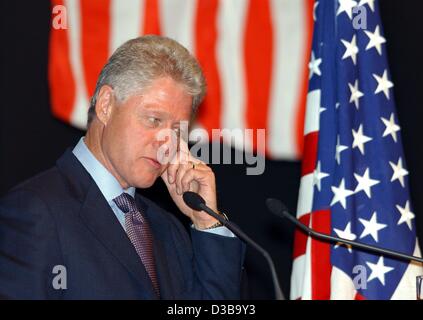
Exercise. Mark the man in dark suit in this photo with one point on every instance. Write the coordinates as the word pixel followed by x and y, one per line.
pixel 79 230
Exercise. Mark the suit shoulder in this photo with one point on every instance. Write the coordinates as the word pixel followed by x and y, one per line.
pixel 46 186
pixel 38 179
pixel 23 205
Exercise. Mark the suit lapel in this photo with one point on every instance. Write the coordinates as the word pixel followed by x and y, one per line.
pixel 101 221
pixel 161 233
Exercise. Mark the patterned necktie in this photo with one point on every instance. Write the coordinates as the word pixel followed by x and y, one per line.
pixel 139 233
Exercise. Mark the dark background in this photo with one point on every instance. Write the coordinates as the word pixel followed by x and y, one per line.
pixel 31 139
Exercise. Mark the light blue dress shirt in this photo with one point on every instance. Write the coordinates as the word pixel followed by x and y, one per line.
pixel 111 188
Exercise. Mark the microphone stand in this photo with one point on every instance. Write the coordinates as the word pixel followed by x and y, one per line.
pixel 279 209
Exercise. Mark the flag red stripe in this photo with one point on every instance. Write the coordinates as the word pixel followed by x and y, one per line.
pixel 320 257
pixel 151 17
pixel 359 297
pixel 61 79
pixel 310 153
pixel 95 24
pixel 300 238
pixel 258 52
pixel 301 108
pixel 205 48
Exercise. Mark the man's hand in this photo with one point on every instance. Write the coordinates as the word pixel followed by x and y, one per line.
pixel 187 173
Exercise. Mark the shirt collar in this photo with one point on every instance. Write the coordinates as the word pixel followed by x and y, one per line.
pixel 106 182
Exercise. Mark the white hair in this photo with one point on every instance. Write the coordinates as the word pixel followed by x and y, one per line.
pixel 136 63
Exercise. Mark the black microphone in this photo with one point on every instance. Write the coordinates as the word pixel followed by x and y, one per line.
pixel 196 202
pixel 278 208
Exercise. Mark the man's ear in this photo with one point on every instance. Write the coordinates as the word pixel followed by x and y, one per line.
pixel 105 103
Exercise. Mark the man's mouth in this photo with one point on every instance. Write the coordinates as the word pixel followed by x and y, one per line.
pixel 154 162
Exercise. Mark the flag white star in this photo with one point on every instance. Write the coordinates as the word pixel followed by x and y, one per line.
pixel 339 149
pixel 355 94
pixel 314 66
pixel 406 215
pixel 351 49
pixel 375 40
pixel 314 10
pixel 346 6
pixel 378 270
pixel 318 175
pixel 371 227
pixel 391 127
pixel 371 4
pixel 399 172
pixel 365 183
pixel 340 194
pixel 360 139
pixel 345 234
pixel 383 84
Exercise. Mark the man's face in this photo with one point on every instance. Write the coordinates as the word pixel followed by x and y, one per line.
pixel 131 137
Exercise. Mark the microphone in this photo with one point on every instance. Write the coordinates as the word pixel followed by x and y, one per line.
pixel 279 209
pixel 197 203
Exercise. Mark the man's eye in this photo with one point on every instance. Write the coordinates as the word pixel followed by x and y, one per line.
pixel 154 121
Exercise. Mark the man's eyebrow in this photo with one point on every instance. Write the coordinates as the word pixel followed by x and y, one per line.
pixel 165 114
pixel 153 108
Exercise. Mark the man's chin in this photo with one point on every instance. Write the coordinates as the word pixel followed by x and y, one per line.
pixel 144 183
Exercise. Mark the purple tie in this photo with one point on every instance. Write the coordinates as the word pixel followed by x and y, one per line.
pixel 139 233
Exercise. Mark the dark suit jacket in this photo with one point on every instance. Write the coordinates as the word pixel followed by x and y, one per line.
pixel 61 218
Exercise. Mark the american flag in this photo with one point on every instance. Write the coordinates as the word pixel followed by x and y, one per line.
pixel 253 53
pixel 354 178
